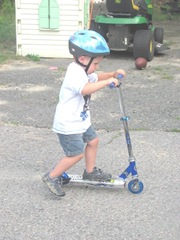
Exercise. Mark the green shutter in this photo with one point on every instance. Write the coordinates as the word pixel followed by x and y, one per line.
pixel 54 14
pixel 48 14
pixel 43 14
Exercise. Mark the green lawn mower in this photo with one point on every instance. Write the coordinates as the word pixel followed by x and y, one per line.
pixel 128 23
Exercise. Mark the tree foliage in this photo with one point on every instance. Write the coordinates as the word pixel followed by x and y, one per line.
pixel 161 3
pixel 7 22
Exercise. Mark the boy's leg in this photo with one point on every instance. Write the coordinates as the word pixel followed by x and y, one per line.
pixel 73 146
pixel 64 165
pixel 52 179
pixel 54 184
pixel 90 154
pixel 91 172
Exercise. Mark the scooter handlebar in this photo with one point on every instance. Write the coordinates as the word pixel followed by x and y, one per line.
pixel 119 77
pixel 112 85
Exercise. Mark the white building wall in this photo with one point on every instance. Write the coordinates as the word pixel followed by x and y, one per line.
pixel 47 43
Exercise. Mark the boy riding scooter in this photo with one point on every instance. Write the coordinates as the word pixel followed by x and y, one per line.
pixel 72 121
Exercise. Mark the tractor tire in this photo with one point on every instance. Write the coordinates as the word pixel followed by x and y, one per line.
pixel 159 35
pixel 143 44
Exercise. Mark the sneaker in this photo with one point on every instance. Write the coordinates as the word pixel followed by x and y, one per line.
pixel 54 184
pixel 97 174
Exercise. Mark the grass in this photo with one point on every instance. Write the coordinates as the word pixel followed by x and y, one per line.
pixel 175 130
pixel 158 16
pixel 7 55
pixel 33 57
pixel 7 30
pixel 8 33
pixel 163 74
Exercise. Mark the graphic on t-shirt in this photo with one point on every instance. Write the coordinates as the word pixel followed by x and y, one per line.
pixel 84 114
pixel 91 78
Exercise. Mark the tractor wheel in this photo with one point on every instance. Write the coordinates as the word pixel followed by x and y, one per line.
pixel 143 44
pixel 159 35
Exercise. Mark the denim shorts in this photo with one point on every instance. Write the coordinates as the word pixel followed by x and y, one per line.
pixel 73 144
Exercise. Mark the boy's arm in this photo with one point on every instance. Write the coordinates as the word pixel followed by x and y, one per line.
pixel 104 79
pixel 106 75
pixel 92 87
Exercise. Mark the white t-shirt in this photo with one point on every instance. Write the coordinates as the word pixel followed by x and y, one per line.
pixel 70 117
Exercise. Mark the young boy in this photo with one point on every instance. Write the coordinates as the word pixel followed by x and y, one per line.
pixel 72 121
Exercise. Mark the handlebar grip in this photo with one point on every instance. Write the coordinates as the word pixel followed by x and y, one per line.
pixel 119 76
pixel 112 85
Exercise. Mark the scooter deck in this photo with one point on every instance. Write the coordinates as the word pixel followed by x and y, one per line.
pixel 113 183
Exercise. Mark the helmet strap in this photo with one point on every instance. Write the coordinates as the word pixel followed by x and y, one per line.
pixel 77 60
pixel 83 65
pixel 87 67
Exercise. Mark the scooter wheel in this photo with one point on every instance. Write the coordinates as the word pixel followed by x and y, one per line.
pixel 135 186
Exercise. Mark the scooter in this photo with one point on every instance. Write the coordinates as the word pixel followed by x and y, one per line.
pixel 135 185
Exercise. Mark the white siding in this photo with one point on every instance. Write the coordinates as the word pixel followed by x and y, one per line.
pixel 47 43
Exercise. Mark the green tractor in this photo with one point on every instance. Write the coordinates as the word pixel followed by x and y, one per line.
pixel 128 23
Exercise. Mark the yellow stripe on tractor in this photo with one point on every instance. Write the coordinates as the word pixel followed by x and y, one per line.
pixel 134 5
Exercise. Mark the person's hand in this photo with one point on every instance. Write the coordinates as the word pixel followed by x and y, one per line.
pixel 113 80
pixel 119 71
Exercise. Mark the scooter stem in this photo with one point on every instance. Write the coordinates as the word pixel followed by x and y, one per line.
pixel 124 119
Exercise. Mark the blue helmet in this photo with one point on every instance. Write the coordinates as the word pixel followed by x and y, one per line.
pixel 88 43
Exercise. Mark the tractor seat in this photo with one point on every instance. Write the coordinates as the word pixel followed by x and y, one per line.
pixel 126 8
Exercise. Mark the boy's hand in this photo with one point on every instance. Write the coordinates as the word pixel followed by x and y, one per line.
pixel 119 71
pixel 113 80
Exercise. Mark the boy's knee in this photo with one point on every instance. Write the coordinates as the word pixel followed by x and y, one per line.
pixel 94 142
